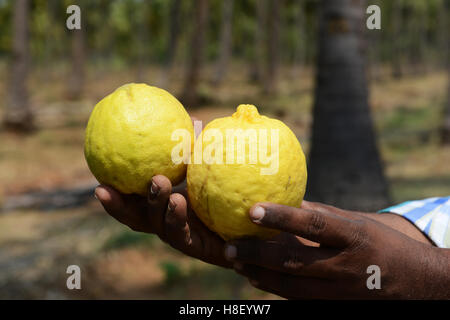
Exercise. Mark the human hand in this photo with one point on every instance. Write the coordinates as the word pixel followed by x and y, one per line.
pixel 349 243
pixel 167 215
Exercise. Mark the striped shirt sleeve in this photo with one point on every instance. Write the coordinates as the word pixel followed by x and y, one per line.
pixel 431 216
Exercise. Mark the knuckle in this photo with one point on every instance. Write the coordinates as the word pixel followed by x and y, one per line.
pixel 316 225
pixel 358 237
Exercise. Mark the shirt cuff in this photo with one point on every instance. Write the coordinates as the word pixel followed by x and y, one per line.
pixel 431 216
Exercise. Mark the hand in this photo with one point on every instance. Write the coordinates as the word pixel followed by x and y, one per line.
pixel 337 269
pixel 167 215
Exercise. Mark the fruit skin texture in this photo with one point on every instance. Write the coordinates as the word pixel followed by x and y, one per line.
pixel 222 194
pixel 128 137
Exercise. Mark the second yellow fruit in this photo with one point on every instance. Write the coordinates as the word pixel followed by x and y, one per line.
pixel 225 183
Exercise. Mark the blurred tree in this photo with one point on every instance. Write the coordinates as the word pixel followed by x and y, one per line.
pixel 417 18
pixel 172 42
pixel 374 42
pixel 271 74
pixel 141 38
pixel 344 163
pixel 225 41
pixel 190 95
pixel 256 73
pixel 78 57
pixel 299 50
pixel 18 115
pixel 174 30
pixel 445 132
pixel 396 38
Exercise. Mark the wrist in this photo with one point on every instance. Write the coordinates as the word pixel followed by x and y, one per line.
pixel 400 224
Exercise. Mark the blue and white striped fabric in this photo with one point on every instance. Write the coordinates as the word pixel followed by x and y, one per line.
pixel 431 216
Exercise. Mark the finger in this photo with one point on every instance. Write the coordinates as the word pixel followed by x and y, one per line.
pixel 323 227
pixel 285 285
pixel 325 208
pixel 295 260
pixel 129 209
pixel 111 201
pixel 205 244
pixel 159 191
pixel 176 231
pixel 158 195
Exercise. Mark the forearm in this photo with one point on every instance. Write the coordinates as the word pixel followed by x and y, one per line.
pixel 436 273
pixel 400 224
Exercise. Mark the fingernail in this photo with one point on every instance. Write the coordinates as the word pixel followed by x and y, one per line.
pixel 238 266
pixel 154 191
pixel 172 205
pixel 230 252
pixel 97 188
pixel 258 213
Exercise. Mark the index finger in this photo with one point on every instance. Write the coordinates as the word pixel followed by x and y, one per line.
pixel 324 227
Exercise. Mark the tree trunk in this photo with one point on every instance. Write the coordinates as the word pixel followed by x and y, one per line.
pixel 445 132
pixel 396 41
pixel 141 40
pixel 417 23
pixel 256 73
pixel 172 43
pixel 299 51
pixel 77 73
pixel 344 164
pixel 271 76
pixel 190 96
pixel 225 41
pixel 18 115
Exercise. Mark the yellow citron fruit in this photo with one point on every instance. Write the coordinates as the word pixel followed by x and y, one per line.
pixel 129 137
pixel 238 170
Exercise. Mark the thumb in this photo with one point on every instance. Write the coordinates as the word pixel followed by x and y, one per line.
pixel 111 200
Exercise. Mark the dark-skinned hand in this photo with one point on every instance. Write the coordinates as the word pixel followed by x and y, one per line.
pixel 335 267
pixel 165 213
pixel 293 265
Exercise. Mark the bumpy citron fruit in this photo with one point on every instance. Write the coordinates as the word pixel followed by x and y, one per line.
pixel 128 137
pixel 233 175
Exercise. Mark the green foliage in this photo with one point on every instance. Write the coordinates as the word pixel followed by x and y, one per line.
pixel 127 239
pixel 172 272
pixel 128 32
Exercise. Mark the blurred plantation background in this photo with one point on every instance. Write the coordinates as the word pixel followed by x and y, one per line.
pixel 370 107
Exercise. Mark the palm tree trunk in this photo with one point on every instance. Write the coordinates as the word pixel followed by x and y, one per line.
pixel 299 51
pixel 256 73
pixel 225 41
pixel 271 75
pixel 190 96
pixel 172 43
pixel 344 164
pixel 18 115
